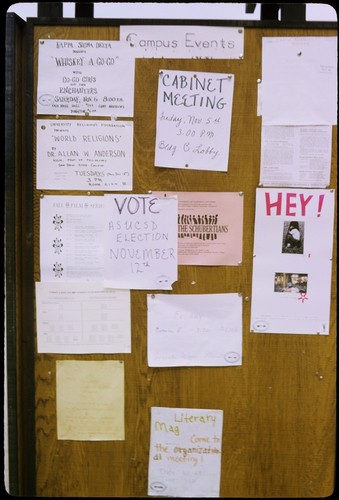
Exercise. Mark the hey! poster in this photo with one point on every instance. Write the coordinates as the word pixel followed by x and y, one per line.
pixel 292 261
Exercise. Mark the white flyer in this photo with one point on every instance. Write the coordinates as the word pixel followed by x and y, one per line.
pixel 85 155
pixel 295 156
pixel 299 80
pixel 82 318
pixel 194 330
pixel 71 238
pixel 85 77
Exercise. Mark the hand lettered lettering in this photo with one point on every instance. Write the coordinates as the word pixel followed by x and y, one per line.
pixel 136 205
pixel 291 204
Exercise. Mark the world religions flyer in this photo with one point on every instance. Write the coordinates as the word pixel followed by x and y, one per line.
pixel 141 242
pixel 193 125
pixel 292 263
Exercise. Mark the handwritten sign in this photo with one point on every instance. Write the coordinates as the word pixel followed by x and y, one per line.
pixel 185 452
pixel 91 154
pixel 78 77
pixel 178 42
pixel 194 330
pixel 193 124
pixel 292 265
pixel 141 241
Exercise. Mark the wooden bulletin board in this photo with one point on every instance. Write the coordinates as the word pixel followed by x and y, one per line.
pixel 279 405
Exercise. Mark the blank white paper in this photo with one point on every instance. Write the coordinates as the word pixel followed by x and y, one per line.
pixel 299 80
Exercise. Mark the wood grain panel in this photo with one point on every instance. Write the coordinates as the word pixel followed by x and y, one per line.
pixel 279 406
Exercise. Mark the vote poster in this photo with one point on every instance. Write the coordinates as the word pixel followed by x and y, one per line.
pixel 140 241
